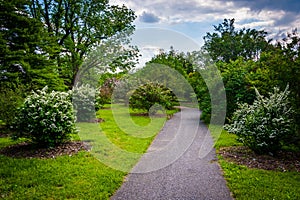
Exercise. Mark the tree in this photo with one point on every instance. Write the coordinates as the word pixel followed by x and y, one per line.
pixel 26 50
pixel 78 26
pixel 175 61
pixel 237 83
pixel 226 43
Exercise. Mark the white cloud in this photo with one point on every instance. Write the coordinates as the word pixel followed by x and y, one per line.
pixel 249 14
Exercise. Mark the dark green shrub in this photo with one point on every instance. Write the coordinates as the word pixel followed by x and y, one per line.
pixel 150 94
pixel 10 100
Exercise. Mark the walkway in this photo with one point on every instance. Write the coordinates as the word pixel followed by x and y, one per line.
pixel 186 177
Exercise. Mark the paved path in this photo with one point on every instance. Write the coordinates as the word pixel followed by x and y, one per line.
pixel 187 177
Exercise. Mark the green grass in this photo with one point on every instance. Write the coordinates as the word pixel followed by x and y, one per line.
pixel 124 136
pixel 77 177
pixel 81 176
pixel 132 132
pixel 223 139
pixel 246 183
pixel 5 141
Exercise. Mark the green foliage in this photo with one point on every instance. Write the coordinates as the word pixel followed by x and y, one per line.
pixel 203 96
pixel 123 89
pixel 209 88
pixel 281 66
pixel 147 96
pixel 176 61
pixel 266 125
pixel 46 118
pixel 79 26
pixel 10 100
pixel 226 43
pixel 26 49
pixel 238 88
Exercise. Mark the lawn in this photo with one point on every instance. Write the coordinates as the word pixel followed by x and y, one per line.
pixel 246 183
pixel 124 136
pixel 81 176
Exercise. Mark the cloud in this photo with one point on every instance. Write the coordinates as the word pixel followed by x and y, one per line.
pixel 274 16
pixel 258 5
pixel 148 18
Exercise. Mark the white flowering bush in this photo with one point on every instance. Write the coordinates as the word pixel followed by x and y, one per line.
pixel 265 125
pixel 85 102
pixel 46 118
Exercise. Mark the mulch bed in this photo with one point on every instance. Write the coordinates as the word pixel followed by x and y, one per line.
pixel 27 150
pixel 284 161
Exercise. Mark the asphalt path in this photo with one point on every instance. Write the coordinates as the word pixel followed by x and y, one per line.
pixel 179 164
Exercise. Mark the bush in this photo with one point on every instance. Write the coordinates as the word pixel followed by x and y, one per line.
pixel 10 100
pixel 150 94
pixel 46 118
pixel 266 125
pixel 85 101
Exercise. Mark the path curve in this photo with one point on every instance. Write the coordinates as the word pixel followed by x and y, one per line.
pixel 189 177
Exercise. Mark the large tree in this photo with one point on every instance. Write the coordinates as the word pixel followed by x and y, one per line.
pixel 78 26
pixel 226 43
pixel 26 50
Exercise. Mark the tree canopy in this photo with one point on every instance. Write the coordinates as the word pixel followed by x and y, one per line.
pixel 79 25
pixel 26 49
pixel 226 43
pixel 45 42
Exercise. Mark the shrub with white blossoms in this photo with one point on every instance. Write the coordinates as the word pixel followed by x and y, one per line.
pixel 46 118
pixel 85 102
pixel 265 125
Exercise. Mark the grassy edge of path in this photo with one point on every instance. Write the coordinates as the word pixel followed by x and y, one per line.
pixel 246 183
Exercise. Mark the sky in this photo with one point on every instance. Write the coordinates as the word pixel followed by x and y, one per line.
pixel 192 19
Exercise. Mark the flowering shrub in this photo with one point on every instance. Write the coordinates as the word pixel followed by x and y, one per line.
pixel 46 118
pixel 85 102
pixel 265 125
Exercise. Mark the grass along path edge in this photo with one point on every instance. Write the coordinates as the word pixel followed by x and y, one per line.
pixel 247 183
